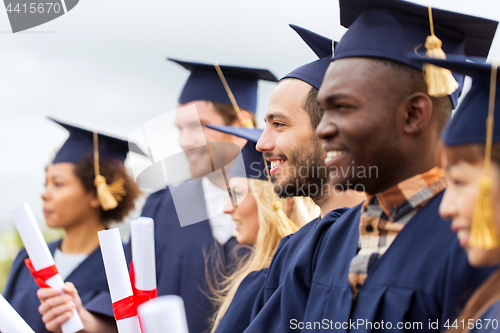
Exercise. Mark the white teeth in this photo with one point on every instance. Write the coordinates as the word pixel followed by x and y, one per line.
pixel 335 153
pixel 274 164
pixel 462 234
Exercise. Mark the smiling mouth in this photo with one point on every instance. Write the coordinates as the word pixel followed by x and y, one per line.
pixel 194 157
pixel 275 165
pixel 332 157
pixel 335 153
pixel 463 237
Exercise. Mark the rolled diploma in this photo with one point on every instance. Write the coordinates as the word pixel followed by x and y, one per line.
pixel 117 275
pixel 41 257
pixel 143 253
pixel 10 320
pixel 165 314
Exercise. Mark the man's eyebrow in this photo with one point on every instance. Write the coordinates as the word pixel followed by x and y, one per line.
pixel 272 116
pixel 333 97
pixel 189 124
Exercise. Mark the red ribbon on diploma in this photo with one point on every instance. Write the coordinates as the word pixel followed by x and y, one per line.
pixel 127 307
pixel 42 275
pixel 151 293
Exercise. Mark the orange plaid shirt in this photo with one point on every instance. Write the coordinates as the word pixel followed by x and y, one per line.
pixel 385 214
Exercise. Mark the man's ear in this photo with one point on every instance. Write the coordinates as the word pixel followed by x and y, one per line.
pixel 289 204
pixel 417 112
pixel 245 115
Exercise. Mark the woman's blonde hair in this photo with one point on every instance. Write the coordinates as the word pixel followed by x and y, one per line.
pixel 273 226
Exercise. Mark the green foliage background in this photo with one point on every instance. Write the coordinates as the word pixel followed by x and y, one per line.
pixel 11 243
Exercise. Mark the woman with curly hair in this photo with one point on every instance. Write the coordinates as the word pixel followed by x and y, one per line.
pixel 86 188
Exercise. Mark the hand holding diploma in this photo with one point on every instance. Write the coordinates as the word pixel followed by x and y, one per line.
pixel 41 263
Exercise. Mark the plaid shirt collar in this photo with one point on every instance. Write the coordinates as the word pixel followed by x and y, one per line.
pixel 411 193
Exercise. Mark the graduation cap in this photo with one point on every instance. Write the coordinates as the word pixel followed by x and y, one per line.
pixel 390 28
pixel 313 72
pixel 206 84
pixel 252 165
pixel 80 144
pixel 474 123
pixel 83 143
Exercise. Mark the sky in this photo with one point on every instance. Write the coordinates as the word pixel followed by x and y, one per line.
pixel 102 66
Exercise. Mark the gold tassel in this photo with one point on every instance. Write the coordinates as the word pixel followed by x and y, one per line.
pixel 483 231
pixel 245 122
pixel 108 195
pixel 440 81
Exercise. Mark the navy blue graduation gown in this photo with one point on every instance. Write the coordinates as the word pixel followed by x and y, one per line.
pixel 259 287
pixel 89 279
pixel 289 246
pixel 424 276
pixel 182 252
pixel 237 316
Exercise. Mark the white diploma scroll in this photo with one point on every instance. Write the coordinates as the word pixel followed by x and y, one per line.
pixel 10 320
pixel 41 257
pixel 143 253
pixel 165 314
pixel 117 274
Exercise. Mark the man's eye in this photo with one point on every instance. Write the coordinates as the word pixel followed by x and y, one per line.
pixel 458 182
pixel 276 124
pixel 343 108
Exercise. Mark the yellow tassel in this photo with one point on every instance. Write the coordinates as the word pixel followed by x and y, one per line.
pixel 104 195
pixel 440 81
pixel 108 195
pixel 483 231
pixel 276 205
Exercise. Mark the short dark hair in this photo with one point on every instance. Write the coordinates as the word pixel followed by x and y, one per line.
pixel 228 113
pixel 410 80
pixel 110 169
pixel 313 108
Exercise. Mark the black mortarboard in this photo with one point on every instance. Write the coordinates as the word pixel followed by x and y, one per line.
pixel 390 28
pixel 313 72
pixel 205 84
pixel 80 144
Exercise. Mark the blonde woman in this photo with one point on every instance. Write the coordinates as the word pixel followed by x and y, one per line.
pixel 262 221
